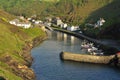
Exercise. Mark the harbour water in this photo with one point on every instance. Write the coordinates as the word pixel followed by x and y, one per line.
pixel 48 66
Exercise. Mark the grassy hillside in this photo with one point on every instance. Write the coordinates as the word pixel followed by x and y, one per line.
pixel 81 12
pixel 77 12
pixel 12 41
pixel 71 11
pixel 24 7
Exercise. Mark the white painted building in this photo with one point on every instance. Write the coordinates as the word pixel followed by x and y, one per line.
pixel 38 22
pixel 24 25
pixel 70 28
pixel 59 22
pixel 64 25
pixel 16 22
pixel 100 22
pixel 73 28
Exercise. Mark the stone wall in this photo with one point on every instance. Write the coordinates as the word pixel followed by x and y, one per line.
pixel 88 58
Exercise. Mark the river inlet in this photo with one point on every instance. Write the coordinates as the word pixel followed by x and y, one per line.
pixel 48 66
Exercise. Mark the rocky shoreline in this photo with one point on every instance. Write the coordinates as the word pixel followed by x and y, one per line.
pixel 23 69
pixel 29 73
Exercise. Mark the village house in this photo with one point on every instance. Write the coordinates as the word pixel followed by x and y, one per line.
pixel 100 22
pixel 73 28
pixel 57 21
pixel 24 25
pixel 16 22
pixel 29 19
pixel 64 25
pixel 21 17
pixel 38 22
pixel 48 19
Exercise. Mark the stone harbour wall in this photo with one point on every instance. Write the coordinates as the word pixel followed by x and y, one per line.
pixel 88 58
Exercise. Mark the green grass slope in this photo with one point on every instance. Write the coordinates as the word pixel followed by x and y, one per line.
pixel 12 41
pixel 77 12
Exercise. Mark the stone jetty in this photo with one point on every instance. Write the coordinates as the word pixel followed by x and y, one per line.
pixel 90 58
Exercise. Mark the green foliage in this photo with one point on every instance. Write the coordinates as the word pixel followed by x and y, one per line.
pixel 71 11
pixel 34 32
pixel 76 12
pixel 24 7
pixel 12 40
pixel 5 71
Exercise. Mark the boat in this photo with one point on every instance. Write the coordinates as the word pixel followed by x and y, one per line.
pixel 91 49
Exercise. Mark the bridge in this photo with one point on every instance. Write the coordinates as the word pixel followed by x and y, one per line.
pixel 49 28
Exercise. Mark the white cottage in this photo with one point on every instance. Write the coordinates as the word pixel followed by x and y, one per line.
pixel 64 25
pixel 16 22
pixel 70 28
pixel 100 22
pixel 73 28
pixel 57 21
pixel 38 22
pixel 24 25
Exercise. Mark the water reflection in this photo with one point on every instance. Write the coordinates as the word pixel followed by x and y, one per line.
pixel 48 66
pixel 65 38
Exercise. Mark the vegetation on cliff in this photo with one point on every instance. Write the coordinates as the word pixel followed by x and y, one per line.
pixel 15 44
pixel 76 12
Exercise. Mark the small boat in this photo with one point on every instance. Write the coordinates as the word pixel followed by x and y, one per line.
pixel 86 45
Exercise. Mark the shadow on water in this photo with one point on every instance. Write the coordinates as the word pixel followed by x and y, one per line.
pixel 90 71
pixel 91 65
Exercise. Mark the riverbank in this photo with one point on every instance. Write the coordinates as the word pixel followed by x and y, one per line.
pixel 29 73
pixel 15 56
pixel 25 71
